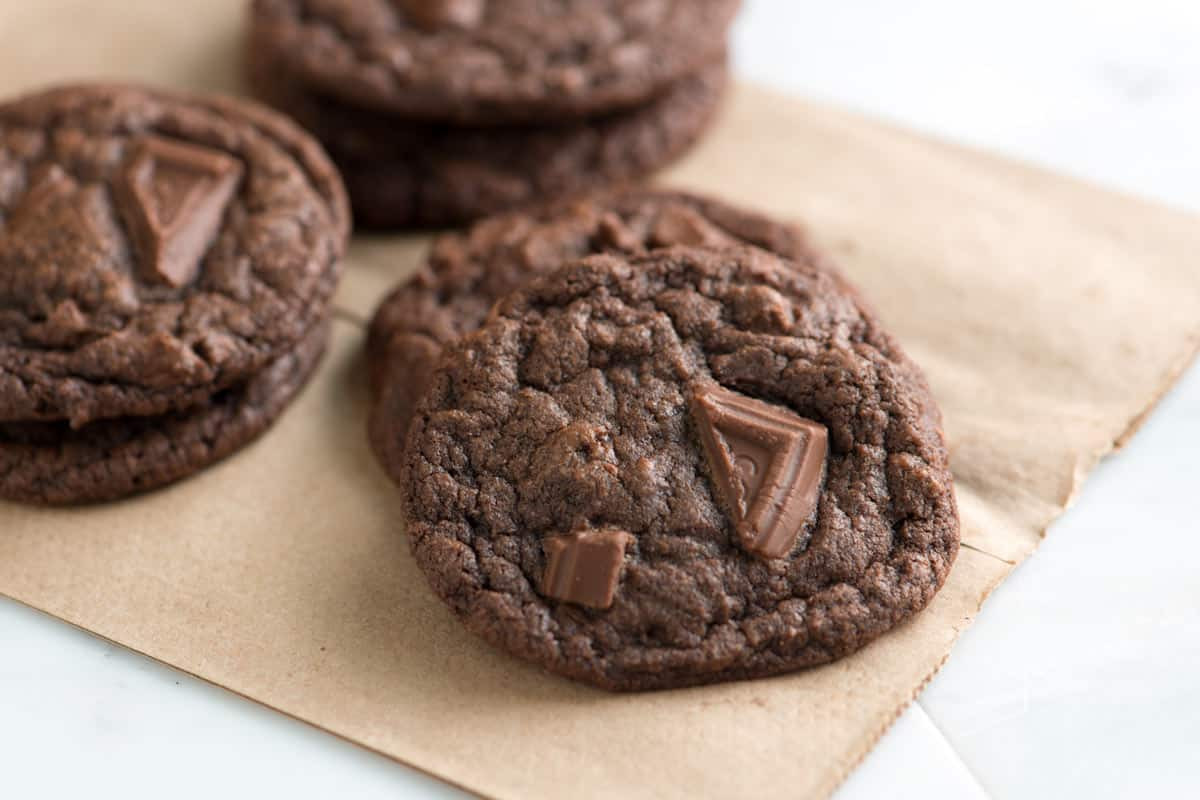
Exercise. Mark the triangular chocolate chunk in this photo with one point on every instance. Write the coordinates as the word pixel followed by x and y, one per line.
pixel 767 465
pixel 173 197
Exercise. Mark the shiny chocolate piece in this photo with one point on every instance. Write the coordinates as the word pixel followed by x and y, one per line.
pixel 173 196
pixel 767 465
pixel 585 567
pixel 430 15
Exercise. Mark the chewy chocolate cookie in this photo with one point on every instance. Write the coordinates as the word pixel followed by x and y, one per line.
pixel 677 468
pixel 466 273
pixel 490 61
pixel 155 248
pixel 52 463
pixel 402 173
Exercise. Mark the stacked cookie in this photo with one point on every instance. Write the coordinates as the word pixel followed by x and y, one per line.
pixel 441 111
pixel 648 440
pixel 166 266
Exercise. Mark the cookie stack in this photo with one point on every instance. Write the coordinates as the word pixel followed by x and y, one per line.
pixel 648 440
pixel 442 111
pixel 166 266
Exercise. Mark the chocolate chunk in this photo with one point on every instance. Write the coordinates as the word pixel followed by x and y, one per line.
pixel 173 196
pixel 430 15
pixel 585 567
pixel 767 465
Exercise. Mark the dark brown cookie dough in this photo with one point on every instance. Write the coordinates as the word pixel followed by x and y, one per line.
pixel 404 174
pixel 565 450
pixel 51 463
pixel 490 61
pixel 468 272
pixel 154 248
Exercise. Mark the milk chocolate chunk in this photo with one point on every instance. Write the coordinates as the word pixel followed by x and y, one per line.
pixel 173 196
pixel 767 465
pixel 585 567
pixel 430 15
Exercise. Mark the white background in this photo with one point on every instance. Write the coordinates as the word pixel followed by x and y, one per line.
pixel 1082 674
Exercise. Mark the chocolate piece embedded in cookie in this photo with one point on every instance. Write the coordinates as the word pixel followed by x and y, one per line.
pixel 155 248
pixel 173 197
pixel 584 567
pixel 574 410
pixel 467 272
pixel 765 462
pixel 444 15
pixel 490 61
pixel 51 463
pixel 403 174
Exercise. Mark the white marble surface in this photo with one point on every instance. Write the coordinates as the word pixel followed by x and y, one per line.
pixel 1079 677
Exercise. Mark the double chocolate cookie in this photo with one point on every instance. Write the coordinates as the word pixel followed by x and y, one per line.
pixel 53 463
pixel 404 174
pixel 166 264
pixel 681 467
pixel 493 105
pixel 468 272
pixel 483 62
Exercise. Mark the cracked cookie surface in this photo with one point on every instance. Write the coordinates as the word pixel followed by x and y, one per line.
pixel 154 248
pixel 467 272
pixel 491 61
pixel 569 418
pixel 49 463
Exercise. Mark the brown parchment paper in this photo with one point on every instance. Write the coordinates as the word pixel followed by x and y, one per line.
pixel 1049 316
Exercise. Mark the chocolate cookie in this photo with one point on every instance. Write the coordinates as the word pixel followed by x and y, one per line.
pixel 405 174
pixel 52 463
pixel 678 468
pixel 490 61
pixel 468 272
pixel 154 248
